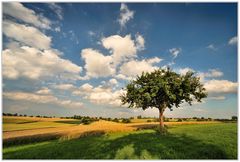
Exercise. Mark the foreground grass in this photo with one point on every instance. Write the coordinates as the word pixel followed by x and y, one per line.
pixel 210 141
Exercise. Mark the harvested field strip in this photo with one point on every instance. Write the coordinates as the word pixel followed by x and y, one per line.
pixel 76 131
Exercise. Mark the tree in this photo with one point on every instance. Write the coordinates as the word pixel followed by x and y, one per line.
pixel 163 89
pixel 139 117
pixel 234 118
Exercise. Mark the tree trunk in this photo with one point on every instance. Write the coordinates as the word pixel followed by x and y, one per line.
pixel 161 122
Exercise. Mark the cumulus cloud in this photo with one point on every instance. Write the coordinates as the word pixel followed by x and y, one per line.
pixel 113 81
pixel 100 94
pixel 41 98
pixel 221 86
pixel 183 71
pixel 22 13
pixel 64 86
pixel 135 67
pixel 213 73
pixel 233 40
pixel 25 34
pixel 121 48
pixel 34 64
pixel 175 51
pixel 125 15
pixel 96 64
pixel 57 9
pixel 44 91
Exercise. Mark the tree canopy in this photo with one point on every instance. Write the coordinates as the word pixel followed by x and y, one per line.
pixel 163 88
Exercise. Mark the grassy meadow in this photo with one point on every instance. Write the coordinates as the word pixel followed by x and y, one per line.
pixel 55 138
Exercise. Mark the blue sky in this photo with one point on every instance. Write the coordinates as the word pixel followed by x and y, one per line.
pixel 63 59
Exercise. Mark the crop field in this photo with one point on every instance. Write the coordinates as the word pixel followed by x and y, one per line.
pixel 55 138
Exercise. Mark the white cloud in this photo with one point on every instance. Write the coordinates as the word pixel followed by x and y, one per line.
pixel 96 64
pixel 57 9
pixel 233 41
pixel 123 77
pixel 175 51
pixel 64 86
pixel 86 87
pixel 217 98
pixel 135 67
pixel 91 33
pixel 221 86
pixel 34 64
pixel 40 98
pixel 212 47
pixel 121 48
pixel 154 60
pixel 44 91
pixel 113 81
pixel 140 42
pixel 213 73
pixel 57 29
pixel 20 12
pixel 183 71
pixel 125 15
pixel 25 34
pixel 100 95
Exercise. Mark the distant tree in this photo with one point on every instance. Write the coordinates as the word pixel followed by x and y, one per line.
pixel 194 117
pixel 139 117
pixel 115 120
pixel 149 120
pixel 125 120
pixel 163 89
pixel 179 120
pixel 234 118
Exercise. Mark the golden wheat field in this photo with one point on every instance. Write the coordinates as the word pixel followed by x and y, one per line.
pixel 27 127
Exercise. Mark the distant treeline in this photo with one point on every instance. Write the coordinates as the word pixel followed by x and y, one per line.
pixel 88 119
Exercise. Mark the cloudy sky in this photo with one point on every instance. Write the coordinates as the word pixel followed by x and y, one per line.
pixel 63 59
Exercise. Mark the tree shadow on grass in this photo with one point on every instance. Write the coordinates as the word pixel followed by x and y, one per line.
pixel 137 145
pixel 155 146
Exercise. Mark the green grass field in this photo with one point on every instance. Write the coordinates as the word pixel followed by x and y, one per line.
pixel 205 141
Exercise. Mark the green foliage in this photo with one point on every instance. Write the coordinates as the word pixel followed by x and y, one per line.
pixel 234 118
pixel 163 88
pixel 179 120
pixel 125 120
pixel 115 120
